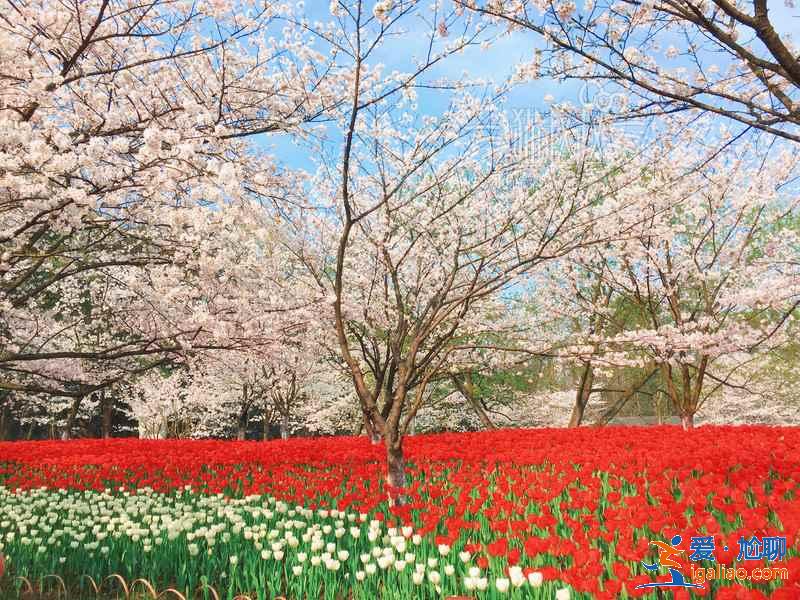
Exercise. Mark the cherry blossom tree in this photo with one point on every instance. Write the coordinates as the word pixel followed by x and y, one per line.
pixel 731 59
pixel 420 266
pixel 222 393
pixel 711 275
pixel 149 240
pixel 219 399
pixel 764 393
pixel 134 212
pixel 435 217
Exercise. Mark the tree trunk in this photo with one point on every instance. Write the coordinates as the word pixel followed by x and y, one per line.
pixel 395 468
pixel 582 395
pixel 687 421
pixel 241 425
pixel 4 418
pixel 285 426
pixel 265 429
pixel 106 406
pixel 372 432
pixel 678 397
pixel 71 416
pixel 467 390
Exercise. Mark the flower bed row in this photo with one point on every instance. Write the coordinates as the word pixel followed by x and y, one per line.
pixel 500 514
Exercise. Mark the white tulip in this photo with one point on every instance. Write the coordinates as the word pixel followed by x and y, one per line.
pixel 535 578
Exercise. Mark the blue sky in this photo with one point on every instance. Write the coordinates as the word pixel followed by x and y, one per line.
pixel 496 63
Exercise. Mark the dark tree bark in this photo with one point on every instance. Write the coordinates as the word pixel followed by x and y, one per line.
pixel 71 416
pixel 285 426
pixel 687 421
pixel 395 466
pixel 372 432
pixel 5 398
pixel 582 395
pixel 106 413
pixel 686 392
pixel 265 428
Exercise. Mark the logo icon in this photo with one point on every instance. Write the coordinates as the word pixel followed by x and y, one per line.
pixel 667 557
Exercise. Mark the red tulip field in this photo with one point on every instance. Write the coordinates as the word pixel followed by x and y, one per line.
pixel 505 514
